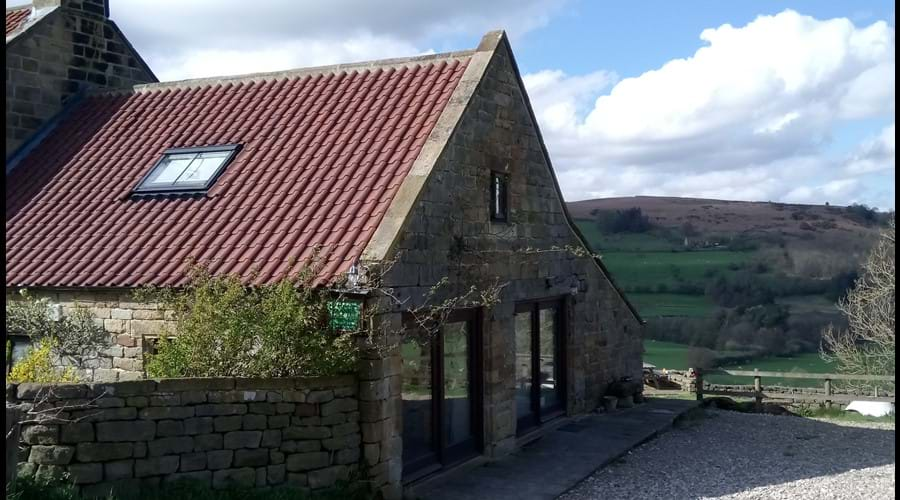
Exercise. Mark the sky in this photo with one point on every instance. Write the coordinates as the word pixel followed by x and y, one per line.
pixel 758 101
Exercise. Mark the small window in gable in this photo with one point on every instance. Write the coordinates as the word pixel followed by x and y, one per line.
pixel 499 196
pixel 187 169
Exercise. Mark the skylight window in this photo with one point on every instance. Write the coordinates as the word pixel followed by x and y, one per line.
pixel 187 169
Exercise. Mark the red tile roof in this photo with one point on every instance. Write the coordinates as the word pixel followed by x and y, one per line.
pixel 15 17
pixel 323 155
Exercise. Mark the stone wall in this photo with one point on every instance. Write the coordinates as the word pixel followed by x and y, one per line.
pixel 130 324
pixel 247 432
pixel 450 234
pixel 73 46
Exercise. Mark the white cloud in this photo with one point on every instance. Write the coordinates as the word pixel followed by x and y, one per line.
pixel 226 37
pixel 747 116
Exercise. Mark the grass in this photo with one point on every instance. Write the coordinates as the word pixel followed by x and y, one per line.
pixel 644 242
pixel 820 412
pixel 651 269
pixel 31 489
pixel 672 304
pixel 673 356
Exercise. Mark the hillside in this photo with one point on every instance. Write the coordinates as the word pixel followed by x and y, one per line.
pixel 754 277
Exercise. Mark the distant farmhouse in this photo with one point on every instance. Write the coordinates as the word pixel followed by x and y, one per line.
pixel 115 181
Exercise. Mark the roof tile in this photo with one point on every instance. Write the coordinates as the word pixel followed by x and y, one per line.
pixel 322 157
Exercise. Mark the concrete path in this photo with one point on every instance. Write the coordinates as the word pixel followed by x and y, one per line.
pixel 560 459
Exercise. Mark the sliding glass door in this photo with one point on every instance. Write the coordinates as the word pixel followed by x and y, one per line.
pixel 540 363
pixel 441 395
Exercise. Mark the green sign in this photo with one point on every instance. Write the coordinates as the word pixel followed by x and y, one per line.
pixel 344 314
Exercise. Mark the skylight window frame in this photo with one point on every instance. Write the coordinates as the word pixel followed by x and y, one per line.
pixel 141 189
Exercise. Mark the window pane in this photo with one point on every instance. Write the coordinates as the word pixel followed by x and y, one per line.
pixel 169 169
pixel 457 383
pixel 203 168
pixel 418 421
pixel 523 365
pixel 549 374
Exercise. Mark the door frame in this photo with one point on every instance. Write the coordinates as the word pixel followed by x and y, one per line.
pixel 540 415
pixel 444 456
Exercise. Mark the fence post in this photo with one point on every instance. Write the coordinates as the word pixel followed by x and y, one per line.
pixel 876 391
pixel 827 393
pixel 757 388
pixel 699 373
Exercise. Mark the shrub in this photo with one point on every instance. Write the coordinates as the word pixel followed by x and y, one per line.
pixel 73 336
pixel 223 328
pixel 37 366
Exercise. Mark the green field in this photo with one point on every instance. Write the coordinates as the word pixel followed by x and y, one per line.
pixel 674 356
pixel 650 269
pixel 602 243
pixel 671 304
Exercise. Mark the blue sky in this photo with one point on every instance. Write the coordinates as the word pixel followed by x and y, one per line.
pixel 762 100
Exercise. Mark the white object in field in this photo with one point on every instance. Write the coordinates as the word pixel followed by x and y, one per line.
pixel 871 408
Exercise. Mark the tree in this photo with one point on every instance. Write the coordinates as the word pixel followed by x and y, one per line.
pixel 866 346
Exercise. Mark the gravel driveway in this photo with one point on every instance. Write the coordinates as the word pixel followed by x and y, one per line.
pixel 751 456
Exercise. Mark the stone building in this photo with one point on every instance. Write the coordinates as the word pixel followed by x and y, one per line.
pixel 434 164
pixel 56 49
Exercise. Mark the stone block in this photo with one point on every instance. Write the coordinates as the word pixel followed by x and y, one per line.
pixel 337 418
pixel 106 375
pixel 257 384
pixel 226 424
pixel 371 453
pixel 219 459
pixel 285 408
pixel 136 430
pixel 251 458
pixel 199 425
pixel 102 452
pixel 271 438
pixel 155 466
pixel 196 384
pixel 300 446
pixel 126 340
pixel 170 446
pixel 110 402
pixel 299 462
pixel 172 399
pixel 374 390
pixel 146 327
pixel 199 477
pixel 125 389
pixel 306 410
pixel 169 428
pixel 253 422
pixel 306 432
pixel 279 421
pixel 338 406
pixel 338 443
pixel 114 325
pixel 344 429
pixel 242 439
pixel 117 313
pixel 206 442
pixel 213 410
pixel 347 456
pixel 276 457
pixel 327 477
pixel 261 408
pixel 120 469
pixel 320 396
pixel 167 412
pixel 193 397
pixel 51 455
pixel 40 434
pixel 193 462
pixel 138 401
pixel 50 473
pixel 85 473
pixel 228 478
pixel 275 474
pixel 297 480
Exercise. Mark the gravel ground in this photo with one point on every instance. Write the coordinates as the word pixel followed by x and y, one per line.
pixel 751 456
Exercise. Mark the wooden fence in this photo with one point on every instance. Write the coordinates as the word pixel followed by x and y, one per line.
pixel 759 395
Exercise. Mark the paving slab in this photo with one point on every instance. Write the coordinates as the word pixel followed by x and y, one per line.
pixel 550 466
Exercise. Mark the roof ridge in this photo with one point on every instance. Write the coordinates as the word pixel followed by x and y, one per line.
pixel 291 73
pixel 20 7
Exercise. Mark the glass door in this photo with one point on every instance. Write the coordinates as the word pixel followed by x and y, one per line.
pixel 540 363
pixel 442 417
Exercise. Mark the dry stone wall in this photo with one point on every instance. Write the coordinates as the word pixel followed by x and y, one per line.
pixel 218 431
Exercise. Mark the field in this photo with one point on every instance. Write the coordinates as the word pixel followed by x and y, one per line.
pixel 651 269
pixel 674 356
pixel 671 304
